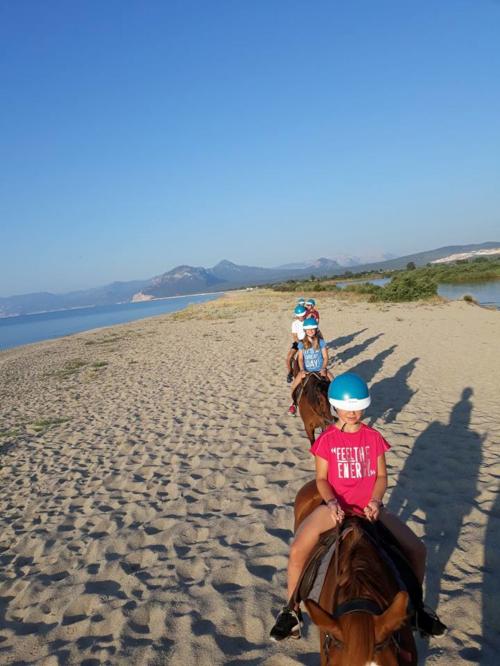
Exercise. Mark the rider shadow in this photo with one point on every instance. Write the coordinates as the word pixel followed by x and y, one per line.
pixel 393 391
pixel 444 463
pixel 490 644
pixel 344 339
pixel 351 352
pixel 369 368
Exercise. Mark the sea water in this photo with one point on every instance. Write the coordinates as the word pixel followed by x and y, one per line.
pixel 15 331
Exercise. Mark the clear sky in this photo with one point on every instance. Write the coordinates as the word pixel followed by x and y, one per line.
pixel 138 135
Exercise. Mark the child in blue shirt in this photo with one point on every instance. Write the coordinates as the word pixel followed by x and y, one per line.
pixel 312 357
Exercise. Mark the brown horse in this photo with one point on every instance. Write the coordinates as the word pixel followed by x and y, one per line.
pixel 311 397
pixel 360 607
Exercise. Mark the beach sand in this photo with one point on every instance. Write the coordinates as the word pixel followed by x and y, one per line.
pixel 148 473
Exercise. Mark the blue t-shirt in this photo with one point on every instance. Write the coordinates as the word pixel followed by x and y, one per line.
pixel 313 358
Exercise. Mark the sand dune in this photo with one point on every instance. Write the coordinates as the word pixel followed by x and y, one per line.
pixel 148 473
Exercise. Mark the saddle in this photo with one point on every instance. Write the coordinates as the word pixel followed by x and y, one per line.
pixel 313 575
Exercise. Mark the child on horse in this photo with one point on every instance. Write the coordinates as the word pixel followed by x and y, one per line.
pixel 312 357
pixel 351 477
pixel 311 309
pixel 298 334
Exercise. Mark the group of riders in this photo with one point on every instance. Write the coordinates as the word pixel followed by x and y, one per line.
pixel 351 473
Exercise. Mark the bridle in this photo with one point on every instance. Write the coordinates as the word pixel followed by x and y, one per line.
pixel 358 605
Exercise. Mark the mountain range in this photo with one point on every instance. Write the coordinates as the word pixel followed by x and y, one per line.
pixel 183 280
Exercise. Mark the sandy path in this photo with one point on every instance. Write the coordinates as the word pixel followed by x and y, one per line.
pixel 150 525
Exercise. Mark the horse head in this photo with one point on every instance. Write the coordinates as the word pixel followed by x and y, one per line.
pixel 362 635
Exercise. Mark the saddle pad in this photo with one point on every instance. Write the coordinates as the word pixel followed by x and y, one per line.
pixel 313 575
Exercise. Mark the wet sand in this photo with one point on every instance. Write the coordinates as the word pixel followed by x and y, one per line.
pixel 148 472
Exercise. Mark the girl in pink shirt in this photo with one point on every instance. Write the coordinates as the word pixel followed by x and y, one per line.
pixel 351 476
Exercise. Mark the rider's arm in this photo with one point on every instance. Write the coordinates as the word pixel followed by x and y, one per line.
pixel 325 358
pixel 322 483
pixel 300 357
pixel 381 482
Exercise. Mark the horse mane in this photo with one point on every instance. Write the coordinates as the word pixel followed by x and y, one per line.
pixel 362 573
pixel 315 390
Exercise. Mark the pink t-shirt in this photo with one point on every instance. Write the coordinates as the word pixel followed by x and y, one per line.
pixel 352 463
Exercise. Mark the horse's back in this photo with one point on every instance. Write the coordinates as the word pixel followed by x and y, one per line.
pixel 307 499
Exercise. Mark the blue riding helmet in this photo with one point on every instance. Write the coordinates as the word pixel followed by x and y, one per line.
pixel 301 301
pixel 311 301
pixel 300 311
pixel 349 392
pixel 310 322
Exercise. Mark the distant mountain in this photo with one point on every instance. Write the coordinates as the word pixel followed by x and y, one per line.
pixel 423 258
pixel 224 275
pixel 117 292
pixel 181 280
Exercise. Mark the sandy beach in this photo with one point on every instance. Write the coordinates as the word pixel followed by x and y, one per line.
pixel 148 473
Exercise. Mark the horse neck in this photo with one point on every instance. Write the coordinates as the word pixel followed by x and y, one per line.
pixel 361 573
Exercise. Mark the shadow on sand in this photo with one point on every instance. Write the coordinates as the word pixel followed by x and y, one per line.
pixel 441 472
pixel 352 352
pixel 392 394
pixel 491 588
pixel 344 339
pixel 369 368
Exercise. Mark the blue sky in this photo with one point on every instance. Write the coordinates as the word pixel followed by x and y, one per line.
pixel 136 136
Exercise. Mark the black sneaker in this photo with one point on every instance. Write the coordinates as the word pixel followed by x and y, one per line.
pixel 288 625
pixel 428 623
pixel 289 378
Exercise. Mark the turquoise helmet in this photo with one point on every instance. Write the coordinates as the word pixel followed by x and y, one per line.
pixel 349 392
pixel 300 311
pixel 311 301
pixel 310 322
pixel 301 301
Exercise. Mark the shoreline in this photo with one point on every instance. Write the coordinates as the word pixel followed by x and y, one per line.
pixel 90 307
pixel 116 324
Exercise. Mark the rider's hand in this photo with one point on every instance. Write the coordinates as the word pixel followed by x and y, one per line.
pixel 372 510
pixel 336 512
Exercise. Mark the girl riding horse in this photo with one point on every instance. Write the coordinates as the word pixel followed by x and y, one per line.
pixel 351 477
pixel 312 357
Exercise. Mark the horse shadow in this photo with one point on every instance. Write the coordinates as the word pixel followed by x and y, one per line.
pixel 369 368
pixel 393 391
pixel 442 467
pixel 351 352
pixel 344 339
pixel 490 645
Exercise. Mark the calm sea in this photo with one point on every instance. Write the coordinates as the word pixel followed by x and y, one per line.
pixel 485 293
pixel 15 331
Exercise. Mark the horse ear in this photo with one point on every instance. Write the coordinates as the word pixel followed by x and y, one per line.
pixel 323 619
pixel 393 618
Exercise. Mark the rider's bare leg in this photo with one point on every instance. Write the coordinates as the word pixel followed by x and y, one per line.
pixel 413 547
pixel 305 538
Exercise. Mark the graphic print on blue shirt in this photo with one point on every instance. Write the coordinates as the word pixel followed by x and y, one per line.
pixel 313 358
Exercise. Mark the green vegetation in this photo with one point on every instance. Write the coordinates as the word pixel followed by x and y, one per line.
pixel 69 368
pixel 8 434
pixel 44 424
pixel 406 285
pixel 99 364
pixel 479 269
